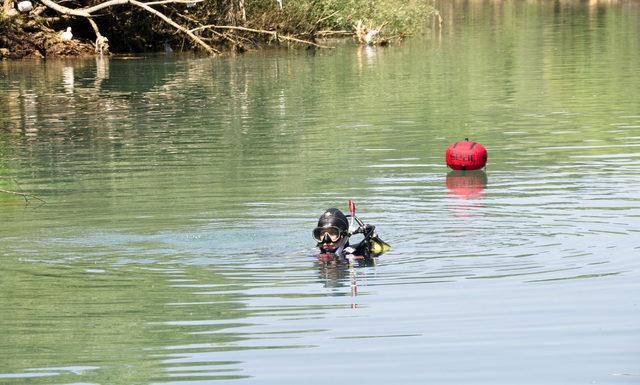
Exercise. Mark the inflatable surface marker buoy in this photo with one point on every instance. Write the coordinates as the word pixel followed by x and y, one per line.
pixel 466 155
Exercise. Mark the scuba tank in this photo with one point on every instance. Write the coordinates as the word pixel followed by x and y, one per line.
pixel 378 246
pixel 372 242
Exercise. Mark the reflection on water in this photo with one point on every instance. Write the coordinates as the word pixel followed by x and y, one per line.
pixel 470 186
pixel 102 71
pixel 68 79
pixel 466 184
pixel 366 56
pixel 175 243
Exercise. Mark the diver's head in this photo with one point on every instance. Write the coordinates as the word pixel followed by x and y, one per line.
pixel 331 232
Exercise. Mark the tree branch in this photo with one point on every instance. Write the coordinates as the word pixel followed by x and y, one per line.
pixel 272 33
pixel 338 33
pixel 87 12
pixel 173 1
pixel 326 17
pixel 94 26
pixel 175 25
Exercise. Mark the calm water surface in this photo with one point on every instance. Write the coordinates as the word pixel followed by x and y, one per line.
pixel 175 243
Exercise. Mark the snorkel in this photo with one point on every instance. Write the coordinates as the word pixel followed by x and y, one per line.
pixel 375 245
pixel 361 226
pixel 352 212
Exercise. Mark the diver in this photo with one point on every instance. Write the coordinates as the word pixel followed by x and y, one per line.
pixel 334 230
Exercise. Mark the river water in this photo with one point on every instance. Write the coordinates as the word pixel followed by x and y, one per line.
pixel 175 243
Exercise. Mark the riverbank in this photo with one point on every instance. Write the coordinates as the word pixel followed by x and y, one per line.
pixel 37 30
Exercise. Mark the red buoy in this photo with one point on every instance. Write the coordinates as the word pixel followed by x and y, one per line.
pixel 466 155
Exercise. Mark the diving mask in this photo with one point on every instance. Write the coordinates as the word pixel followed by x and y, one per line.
pixel 331 232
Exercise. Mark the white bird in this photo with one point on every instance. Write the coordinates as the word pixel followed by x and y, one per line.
pixel 102 45
pixel 279 4
pixel 25 6
pixel 368 38
pixel 66 35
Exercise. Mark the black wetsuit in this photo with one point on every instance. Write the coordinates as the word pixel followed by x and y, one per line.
pixel 361 251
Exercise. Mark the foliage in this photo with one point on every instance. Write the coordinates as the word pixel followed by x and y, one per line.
pixel 399 18
pixel 131 29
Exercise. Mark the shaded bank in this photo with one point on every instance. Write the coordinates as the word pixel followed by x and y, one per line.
pixel 210 26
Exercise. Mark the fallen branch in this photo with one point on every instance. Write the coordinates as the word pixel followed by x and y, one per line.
pixel 87 12
pixel 336 33
pixel 173 2
pixel 190 19
pixel 224 36
pixel 272 33
pixel 26 196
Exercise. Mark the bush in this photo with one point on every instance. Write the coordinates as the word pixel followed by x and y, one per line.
pixel 132 29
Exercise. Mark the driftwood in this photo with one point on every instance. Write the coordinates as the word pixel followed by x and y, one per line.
pixel 89 11
pixel 367 35
pixel 335 33
pixel 261 31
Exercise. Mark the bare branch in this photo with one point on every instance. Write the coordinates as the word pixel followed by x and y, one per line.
pixel 326 17
pixel 337 33
pixel 64 10
pixel 173 1
pixel 272 33
pixel 86 12
pixel 175 25
pixel 94 26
